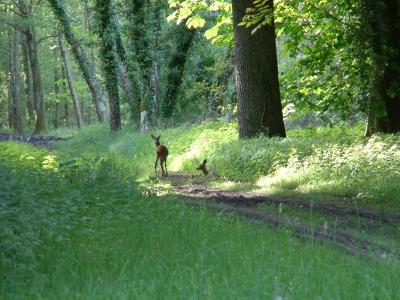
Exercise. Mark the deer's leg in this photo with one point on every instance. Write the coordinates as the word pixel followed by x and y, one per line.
pixel 155 166
pixel 162 168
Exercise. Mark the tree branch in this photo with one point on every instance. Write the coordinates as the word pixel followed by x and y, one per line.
pixel 12 25
pixel 47 37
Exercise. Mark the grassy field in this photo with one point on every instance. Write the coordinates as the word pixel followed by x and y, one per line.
pixel 75 224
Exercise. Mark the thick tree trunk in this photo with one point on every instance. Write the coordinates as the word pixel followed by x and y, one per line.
pixel 257 84
pixel 57 96
pixel 383 28
pixel 109 59
pixel 39 104
pixel 16 78
pixel 176 67
pixel 82 59
pixel 28 80
pixel 70 79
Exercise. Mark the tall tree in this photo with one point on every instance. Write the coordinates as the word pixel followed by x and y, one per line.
pixel 70 80
pixel 82 58
pixel 176 67
pixel 25 10
pixel 257 84
pixel 107 35
pixel 383 33
pixel 57 109
pixel 39 102
pixel 16 78
pixel 27 79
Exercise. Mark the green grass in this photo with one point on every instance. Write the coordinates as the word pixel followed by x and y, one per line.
pixel 77 227
pixel 322 164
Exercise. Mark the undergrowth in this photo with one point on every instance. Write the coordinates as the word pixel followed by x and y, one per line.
pixel 77 227
pixel 324 164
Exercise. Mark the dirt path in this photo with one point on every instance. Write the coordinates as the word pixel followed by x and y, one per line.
pixel 36 140
pixel 248 205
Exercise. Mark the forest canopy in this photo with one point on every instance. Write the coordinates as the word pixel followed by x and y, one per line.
pixel 163 63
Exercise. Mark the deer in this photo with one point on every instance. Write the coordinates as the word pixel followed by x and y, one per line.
pixel 202 167
pixel 162 154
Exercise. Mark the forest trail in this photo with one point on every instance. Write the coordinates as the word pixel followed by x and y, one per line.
pixel 330 223
pixel 347 227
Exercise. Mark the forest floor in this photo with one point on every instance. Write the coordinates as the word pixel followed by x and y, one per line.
pixel 357 231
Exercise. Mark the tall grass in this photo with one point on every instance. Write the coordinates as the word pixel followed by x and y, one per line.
pixel 76 227
pixel 324 163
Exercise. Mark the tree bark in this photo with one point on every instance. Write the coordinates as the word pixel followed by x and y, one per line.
pixel 383 28
pixel 57 96
pixel 28 80
pixel 82 59
pixel 64 90
pixel 10 82
pixel 16 78
pixel 109 59
pixel 257 84
pixel 176 67
pixel 70 80
pixel 39 103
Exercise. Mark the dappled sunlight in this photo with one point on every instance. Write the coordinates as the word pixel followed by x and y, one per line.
pixel 50 163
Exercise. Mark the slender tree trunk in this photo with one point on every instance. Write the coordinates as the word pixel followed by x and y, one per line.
pixel 109 59
pixel 259 102
pixel 28 80
pixel 39 104
pixel 81 57
pixel 17 118
pixel 70 79
pixel 57 95
pixel 10 82
pixel 176 67
pixel 156 64
pixel 88 14
pixel 64 90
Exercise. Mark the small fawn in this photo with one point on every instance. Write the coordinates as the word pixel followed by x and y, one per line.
pixel 202 167
pixel 162 154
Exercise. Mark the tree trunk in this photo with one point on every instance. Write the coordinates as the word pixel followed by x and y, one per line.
pixel 39 104
pixel 16 78
pixel 70 80
pixel 257 84
pixel 65 98
pixel 381 20
pixel 82 59
pixel 176 67
pixel 28 80
pixel 57 96
pixel 109 59
pixel 10 82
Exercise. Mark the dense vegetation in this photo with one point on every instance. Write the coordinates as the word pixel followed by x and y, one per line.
pixel 79 227
pixel 295 100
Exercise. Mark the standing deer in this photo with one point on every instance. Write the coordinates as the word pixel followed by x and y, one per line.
pixel 162 154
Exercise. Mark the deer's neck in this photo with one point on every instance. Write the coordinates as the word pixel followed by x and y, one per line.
pixel 158 144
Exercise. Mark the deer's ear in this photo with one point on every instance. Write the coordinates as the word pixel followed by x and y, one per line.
pixel 153 136
pixel 158 136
